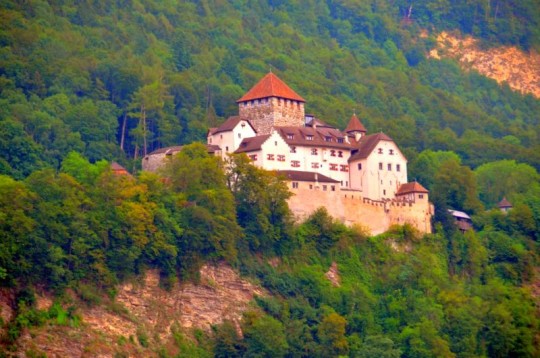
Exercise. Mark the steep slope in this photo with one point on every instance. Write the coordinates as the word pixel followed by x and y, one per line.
pixel 508 64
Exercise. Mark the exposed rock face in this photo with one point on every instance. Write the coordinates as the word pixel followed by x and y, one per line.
pixel 220 296
pixel 519 69
pixel 333 275
pixel 141 308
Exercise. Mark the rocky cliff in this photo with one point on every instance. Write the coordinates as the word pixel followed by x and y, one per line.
pixel 142 316
pixel 519 69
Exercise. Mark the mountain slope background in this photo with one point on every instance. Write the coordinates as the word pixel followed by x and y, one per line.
pixel 117 81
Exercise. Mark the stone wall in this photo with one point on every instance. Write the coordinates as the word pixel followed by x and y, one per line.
pixel 350 207
pixel 152 162
pixel 266 113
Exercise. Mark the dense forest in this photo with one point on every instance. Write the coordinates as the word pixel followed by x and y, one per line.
pixel 83 83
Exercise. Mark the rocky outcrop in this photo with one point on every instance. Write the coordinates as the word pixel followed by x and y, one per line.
pixel 520 70
pixel 333 275
pixel 141 311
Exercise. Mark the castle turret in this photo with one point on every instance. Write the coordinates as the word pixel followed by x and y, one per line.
pixel 271 103
pixel 355 128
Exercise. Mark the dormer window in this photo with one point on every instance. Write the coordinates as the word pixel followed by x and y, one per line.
pixel 328 139
pixel 340 140
pixel 309 137
pixel 290 136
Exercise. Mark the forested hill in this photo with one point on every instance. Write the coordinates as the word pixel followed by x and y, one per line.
pixel 85 76
pixel 83 83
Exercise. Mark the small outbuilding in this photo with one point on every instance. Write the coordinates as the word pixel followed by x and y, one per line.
pixel 505 205
pixel 463 221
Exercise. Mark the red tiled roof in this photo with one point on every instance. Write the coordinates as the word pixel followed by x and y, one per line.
pixel 299 175
pixel 270 86
pixel 229 125
pixel 504 204
pixel 119 170
pixel 413 187
pixel 367 144
pixel 252 144
pixel 355 125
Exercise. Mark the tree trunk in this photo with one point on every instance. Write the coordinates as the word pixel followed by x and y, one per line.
pixel 123 135
pixel 143 118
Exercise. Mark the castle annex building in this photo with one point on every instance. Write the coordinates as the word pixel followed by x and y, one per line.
pixel 359 177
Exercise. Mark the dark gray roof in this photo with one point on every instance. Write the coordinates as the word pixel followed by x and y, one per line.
pixel 252 144
pixel 367 144
pixel 298 175
pixel 229 125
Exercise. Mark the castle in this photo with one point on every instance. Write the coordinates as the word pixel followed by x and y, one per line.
pixel 358 178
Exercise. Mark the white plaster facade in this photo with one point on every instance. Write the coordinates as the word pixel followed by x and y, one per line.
pixel 381 173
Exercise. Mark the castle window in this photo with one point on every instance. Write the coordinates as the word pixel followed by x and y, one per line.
pixel 221 136
pixel 281 158
pixel 333 166
pixel 380 151
pixel 295 185
pixel 309 137
pixel 389 167
pixel 226 149
pixel 391 152
pixel 253 157
pixel 420 196
pixel 324 187
pixel 340 140
pixel 314 151
pixel 333 187
pixel 343 168
pixel 315 165
pixel 340 154
pixel 239 135
pixel 293 149
pixel 333 153
pixel 359 166
pixel 275 142
pixel 398 167
pixel 384 192
pixel 270 157
pixel 295 163
pixel 311 186
pixel 380 166
pixel 290 136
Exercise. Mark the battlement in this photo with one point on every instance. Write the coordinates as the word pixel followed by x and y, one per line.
pixel 351 207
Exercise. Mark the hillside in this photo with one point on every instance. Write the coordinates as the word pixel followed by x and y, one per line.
pixel 200 261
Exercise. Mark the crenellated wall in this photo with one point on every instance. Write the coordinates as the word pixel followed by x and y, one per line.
pixel 350 207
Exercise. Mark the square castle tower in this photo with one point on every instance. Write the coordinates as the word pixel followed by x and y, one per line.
pixel 271 103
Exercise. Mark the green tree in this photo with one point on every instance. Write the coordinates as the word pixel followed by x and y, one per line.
pixel 265 337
